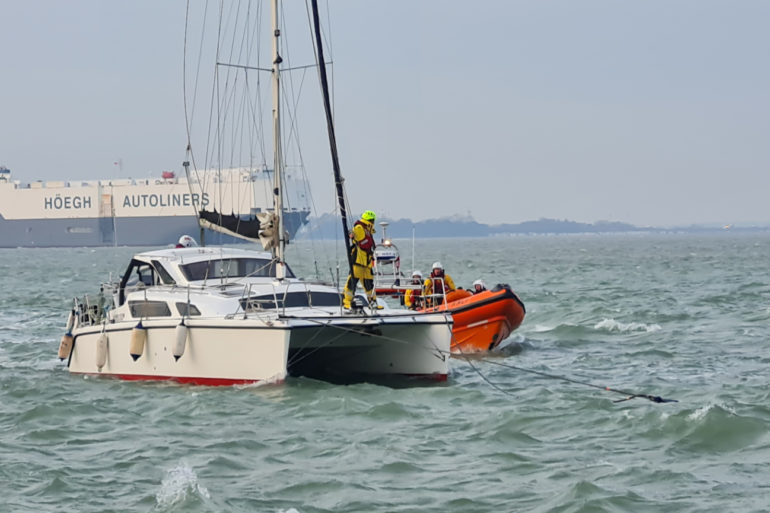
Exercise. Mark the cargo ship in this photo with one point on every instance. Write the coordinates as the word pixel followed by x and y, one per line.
pixel 140 212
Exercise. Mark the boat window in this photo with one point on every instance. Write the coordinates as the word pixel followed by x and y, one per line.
pixel 149 309
pixel 292 299
pixel 165 277
pixel 231 268
pixel 140 273
pixel 182 308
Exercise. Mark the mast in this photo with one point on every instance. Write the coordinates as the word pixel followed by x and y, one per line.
pixel 338 180
pixel 278 252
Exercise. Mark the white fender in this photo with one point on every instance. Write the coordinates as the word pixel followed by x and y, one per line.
pixel 180 341
pixel 70 321
pixel 138 338
pixel 101 351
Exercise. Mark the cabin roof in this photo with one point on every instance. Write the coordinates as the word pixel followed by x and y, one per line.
pixel 198 254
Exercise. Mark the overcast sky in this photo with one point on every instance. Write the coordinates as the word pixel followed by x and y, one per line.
pixel 652 112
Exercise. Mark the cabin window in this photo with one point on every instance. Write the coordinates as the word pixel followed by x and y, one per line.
pixel 231 268
pixel 165 277
pixel 140 272
pixel 149 309
pixel 182 308
pixel 292 299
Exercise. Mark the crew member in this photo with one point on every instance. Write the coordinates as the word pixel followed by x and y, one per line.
pixel 413 297
pixel 362 253
pixel 479 286
pixel 437 284
pixel 185 241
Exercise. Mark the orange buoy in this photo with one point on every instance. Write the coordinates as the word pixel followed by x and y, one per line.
pixel 138 339
pixel 65 346
pixel 66 343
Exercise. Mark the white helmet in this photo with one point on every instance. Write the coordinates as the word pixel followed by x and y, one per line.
pixel 185 241
pixel 479 282
pixel 417 274
pixel 437 265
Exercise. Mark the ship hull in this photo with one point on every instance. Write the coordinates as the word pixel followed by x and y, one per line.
pixel 108 231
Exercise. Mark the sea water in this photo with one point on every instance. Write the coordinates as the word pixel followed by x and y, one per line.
pixel 681 316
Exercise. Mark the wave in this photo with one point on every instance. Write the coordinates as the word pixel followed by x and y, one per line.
pixel 612 325
pixel 715 428
pixel 180 483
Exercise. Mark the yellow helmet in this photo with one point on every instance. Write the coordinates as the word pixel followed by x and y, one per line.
pixel 368 216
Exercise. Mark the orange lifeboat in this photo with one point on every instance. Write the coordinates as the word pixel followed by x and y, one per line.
pixel 482 320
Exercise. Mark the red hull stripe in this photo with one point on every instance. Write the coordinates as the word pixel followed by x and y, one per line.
pixel 214 382
pixel 223 382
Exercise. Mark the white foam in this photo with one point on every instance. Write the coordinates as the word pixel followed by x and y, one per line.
pixel 613 325
pixel 179 482
pixel 701 412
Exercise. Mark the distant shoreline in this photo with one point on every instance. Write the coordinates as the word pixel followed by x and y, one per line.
pixel 327 227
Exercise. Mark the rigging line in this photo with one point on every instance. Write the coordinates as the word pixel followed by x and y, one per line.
pixel 328 40
pixel 259 99
pixel 237 102
pixel 227 101
pixel 268 70
pixel 190 113
pixel 211 132
pixel 629 395
pixel 293 132
pixel 339 181
pixel 288 91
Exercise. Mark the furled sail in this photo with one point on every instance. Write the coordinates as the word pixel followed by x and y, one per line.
pixel 262 228
pixel 236 226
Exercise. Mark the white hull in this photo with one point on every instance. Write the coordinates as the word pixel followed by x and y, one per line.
pixel 236 351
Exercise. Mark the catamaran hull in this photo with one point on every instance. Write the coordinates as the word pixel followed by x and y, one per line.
pixel 234 352
pixel 371 349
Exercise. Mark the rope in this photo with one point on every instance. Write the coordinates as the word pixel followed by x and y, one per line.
pixel 629 395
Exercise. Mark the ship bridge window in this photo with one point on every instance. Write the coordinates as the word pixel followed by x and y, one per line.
pixel 292 299
pixel 149 309
pixel 231 268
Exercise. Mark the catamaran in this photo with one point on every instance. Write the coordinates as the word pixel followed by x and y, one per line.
pixel 223 316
